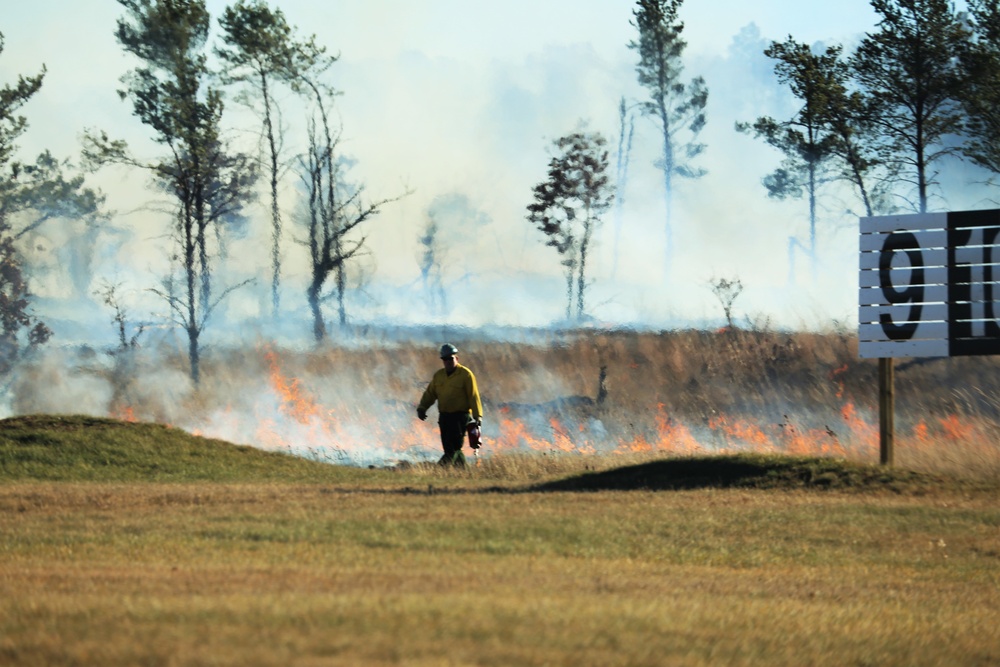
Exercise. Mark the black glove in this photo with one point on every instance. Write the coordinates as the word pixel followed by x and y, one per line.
pixel 422 414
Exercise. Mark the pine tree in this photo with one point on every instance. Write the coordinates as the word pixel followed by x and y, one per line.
pixel 171 94
pixel 909 72
pixel 569 204
pixel 678 108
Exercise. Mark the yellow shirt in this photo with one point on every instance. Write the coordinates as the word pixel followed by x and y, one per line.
pixel 454 393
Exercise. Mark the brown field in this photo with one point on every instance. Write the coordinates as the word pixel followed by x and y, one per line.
pixel 213 574
pixel 671 392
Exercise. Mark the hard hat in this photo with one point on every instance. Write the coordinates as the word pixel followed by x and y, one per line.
pixel 448 350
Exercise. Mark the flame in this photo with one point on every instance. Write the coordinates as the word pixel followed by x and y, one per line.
pixel 560 436
pixel 125 413
pixel 741 430
pixel 954 429
pixel 289 417
pixel 296 403
pixel 835 375
pixel 674 436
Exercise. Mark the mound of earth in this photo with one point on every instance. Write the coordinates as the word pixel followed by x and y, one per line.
pixel 750 471
pixel 84 448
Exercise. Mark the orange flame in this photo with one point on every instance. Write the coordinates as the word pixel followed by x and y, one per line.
pixel 298 422
pixel 123 413
pixel 954 429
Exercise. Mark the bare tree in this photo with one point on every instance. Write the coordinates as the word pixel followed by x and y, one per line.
pixel 626 131
pixel 431 261
pixel 727 291
pixel 336 212
pixel 260 51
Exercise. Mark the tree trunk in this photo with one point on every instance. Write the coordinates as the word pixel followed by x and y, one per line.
pixel 569 291
pixel 581 280
pixel 275 212
pixel 341 288
pixel 194 355
pixel 319 327
pixel 812 217
pixel 921 170
pixel 668 193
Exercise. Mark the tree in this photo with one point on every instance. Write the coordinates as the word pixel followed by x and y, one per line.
pixel 30 194
pixel 569 204
pixel 208 183
pixel 807 140
pixel 727 291
pixel 854 141
pixel 982 99
pixel 626 130
pixel 909 73
pixel 431 261
pixel 677 107
pixel 260 51
pixel 335 211
pixel 123 373
pixel 19 329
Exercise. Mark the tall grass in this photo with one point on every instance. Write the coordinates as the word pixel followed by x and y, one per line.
pixel 674 391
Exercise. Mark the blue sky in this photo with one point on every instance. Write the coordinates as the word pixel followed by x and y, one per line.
pixel 447 98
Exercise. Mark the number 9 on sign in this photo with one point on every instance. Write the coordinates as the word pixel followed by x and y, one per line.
pixel 912 293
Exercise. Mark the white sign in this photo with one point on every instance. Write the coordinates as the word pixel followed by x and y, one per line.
pixel 929 284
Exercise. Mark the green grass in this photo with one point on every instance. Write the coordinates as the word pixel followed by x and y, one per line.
pixel 81 448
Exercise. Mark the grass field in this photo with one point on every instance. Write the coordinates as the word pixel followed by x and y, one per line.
pixel 136 544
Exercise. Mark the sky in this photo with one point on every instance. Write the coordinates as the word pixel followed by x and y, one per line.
pixel 457 103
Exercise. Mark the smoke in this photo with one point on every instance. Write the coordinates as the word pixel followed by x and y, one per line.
pixel 461 116
pixel 467 116
pixel 57 383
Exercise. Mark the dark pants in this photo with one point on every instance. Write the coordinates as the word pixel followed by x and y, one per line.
pixel 452 426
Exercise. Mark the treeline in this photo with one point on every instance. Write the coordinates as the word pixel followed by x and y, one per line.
pixel 209 179
pixel 921 87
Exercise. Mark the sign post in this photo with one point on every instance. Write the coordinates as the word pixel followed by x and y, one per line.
pixel 928 287
pixel 886 411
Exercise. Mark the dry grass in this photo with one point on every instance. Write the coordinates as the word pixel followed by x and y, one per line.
pixel 675 392
pixel 210 574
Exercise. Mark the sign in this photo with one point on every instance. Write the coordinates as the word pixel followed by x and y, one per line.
pixel 929 285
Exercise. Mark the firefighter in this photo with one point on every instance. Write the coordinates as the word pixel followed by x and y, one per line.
pixel 459 407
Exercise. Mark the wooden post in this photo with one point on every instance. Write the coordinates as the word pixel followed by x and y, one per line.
pixel 886 410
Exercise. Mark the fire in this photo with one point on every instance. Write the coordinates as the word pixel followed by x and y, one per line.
pixel 741 430
pixel 866 434
pixel 287 416
pixel 954 429
pixel 296 403
pixel 560 437
pixel 835 375
pixel 674 436
pixel 125 413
